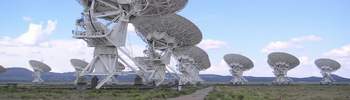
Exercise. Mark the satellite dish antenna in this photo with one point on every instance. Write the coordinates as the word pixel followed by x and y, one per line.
pixel 2 69
pixel 327 66
pixel 162 34
pixel 281 63
pixel 238 64
pixel 167 31
pixel 110 10
pixel 38 67
pixel 79 66
pixel 107 38
pixel 191 60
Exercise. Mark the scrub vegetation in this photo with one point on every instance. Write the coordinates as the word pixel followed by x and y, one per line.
pixel 33 93
pixel 290 92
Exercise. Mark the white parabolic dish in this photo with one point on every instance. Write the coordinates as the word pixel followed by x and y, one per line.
pixel 198 55
pixel 137 7
pixel 78 64
pixel 2 69
pixel 245 62
pixel 331 65
pixel 277 58
pixel 158 7
pixel 172 29
pixel 39 66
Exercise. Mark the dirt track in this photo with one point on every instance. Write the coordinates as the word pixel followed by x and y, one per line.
pixel 198 95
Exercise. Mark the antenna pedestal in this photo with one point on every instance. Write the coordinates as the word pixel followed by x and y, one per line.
pixel 190 74
pixel 327 78
pixel 37 77
pixel 237 75
pixel 104 63
pixel 281 77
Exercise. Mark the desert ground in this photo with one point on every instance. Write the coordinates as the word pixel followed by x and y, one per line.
pixel 290 92
pixel 211 92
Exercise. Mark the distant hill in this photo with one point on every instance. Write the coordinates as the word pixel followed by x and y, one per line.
pixel 25 75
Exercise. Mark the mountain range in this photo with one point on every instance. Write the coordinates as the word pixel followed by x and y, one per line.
pixel 25 75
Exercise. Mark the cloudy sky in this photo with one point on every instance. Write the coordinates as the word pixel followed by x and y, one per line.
pixel 308 29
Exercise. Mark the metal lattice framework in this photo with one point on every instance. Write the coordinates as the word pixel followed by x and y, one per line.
pixel 327 66
pixel 238 64
pixel 104 26
pixel 281 63
pixel 2 69
pixel 191 60
pixel 39 68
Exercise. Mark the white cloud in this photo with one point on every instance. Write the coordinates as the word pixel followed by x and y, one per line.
pixel 305 60
pixel 37 33
pixel 33 44
pixel 212 44
pixel 290 44
pixel 342 52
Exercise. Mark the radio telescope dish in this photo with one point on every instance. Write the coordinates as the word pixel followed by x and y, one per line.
pixel 172 30
pixel 281 64
pixel 196 55
pixel 158 7
pixel 110 9
pixel 238 65
pixel 39 67
pixel 78 64
pixel 2 69
pixel 191 60
pixel 327 66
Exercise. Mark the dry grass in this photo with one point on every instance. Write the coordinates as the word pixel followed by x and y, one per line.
pixel 293 92
pixel 8 93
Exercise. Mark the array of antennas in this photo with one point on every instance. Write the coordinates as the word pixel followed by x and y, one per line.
pixel 281 63
pixel 104 27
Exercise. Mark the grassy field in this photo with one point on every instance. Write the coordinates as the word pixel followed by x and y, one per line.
pixel 292 92
pixel 32 93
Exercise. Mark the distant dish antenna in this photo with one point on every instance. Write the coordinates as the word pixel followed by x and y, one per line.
pixel 79 66
pixel 2 69
pixel 281 63
pixel 327 66
pixel 238 65
pixel 39 68
pixel 191 60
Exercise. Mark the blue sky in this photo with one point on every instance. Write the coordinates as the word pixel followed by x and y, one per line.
pixel 308 29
